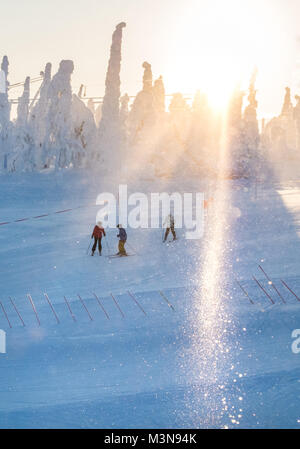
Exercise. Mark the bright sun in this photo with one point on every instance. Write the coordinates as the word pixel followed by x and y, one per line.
pixel 220 45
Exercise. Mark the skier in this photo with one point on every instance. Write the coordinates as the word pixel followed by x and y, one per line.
pixel 122 240
pixel 170 226
pixel 97 234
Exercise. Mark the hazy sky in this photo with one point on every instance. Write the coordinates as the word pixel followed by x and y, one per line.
pixel 208 44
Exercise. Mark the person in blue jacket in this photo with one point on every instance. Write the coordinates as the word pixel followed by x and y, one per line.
pixel 122 240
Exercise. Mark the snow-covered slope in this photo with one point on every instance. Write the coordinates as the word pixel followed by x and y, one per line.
pixel 146 363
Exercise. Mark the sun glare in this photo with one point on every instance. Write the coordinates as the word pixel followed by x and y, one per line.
pixel 221 44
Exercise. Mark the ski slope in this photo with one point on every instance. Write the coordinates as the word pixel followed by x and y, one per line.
pixel 164 357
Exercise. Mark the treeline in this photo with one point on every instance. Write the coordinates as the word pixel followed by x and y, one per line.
pixel 57 129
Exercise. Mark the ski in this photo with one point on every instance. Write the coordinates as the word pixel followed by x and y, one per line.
pixel 116 256
pixel 170 241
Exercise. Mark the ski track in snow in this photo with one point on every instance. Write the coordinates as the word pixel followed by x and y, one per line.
pixel 143 369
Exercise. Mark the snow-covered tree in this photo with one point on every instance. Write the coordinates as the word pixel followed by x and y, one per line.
pixel 288 124
pixel 110 127
pixel 235 132
pixel 84 127
pixel 170 147
pixel 38 118
pixel 147 77
pixel 23 105
pixel 297 121
pixel 159 96
pixel 91 106
pixel 60 147
pixel 281 134
pixel 22 156
pixel 142 113
pixel 5 124
pixel 249 157
pixel 180 116
pixel 98 114
pixel 124 113
pixel 287 107
pixel 251 130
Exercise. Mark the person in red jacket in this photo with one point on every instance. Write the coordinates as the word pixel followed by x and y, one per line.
pixel 98 232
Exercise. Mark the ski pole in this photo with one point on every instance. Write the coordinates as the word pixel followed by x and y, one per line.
pixel 70 310
pixel 34 308
pixel 132 249
pixel 52 308
pixel 5 314
pixel 271 282
pixel 117 304
pixel 15 307
pixel 244 291
pixel 167 301
pixel 136 301
pixel 100 304
pixel 262 288
pixel 88 250
pixel 107 245
pixel 285 284
pixel 84 305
